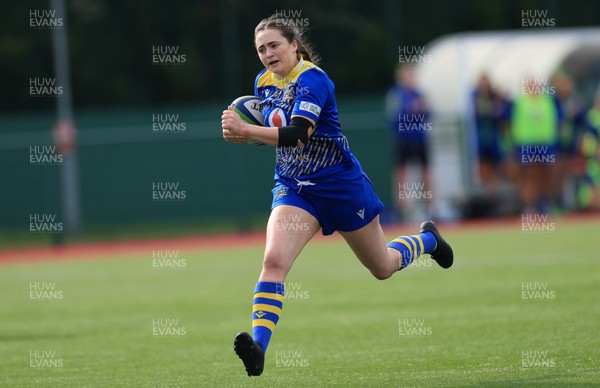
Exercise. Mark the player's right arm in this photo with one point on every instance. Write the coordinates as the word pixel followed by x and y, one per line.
pixel 233 138
pixel 294 135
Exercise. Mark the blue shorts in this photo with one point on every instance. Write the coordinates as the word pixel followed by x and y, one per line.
pixel 344 201
pixel 491 152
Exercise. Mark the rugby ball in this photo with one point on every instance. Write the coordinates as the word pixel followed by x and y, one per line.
pixel 248 108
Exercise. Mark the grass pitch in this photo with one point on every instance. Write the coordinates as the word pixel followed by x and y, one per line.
pixel 517 309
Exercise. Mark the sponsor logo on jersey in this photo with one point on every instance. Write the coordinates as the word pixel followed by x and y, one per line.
pixel 276 118
pixel 310 107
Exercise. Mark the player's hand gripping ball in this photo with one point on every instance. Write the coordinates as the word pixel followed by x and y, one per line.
pixel 248 108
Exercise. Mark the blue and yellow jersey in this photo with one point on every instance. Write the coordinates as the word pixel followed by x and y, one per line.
pixel 307 91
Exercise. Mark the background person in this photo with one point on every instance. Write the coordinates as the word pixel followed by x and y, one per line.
pixel 573 125
pixel 588 191
pixel 488 108
pixel 535 121
pixel 409 122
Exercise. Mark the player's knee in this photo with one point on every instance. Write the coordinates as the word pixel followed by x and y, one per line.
pixel 381 273
pixel 274 262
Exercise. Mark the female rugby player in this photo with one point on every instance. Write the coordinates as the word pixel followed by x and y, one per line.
pixel 319 184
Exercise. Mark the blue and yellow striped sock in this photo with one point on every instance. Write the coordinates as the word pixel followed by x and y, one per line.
pixel 268 302
pixel 411 247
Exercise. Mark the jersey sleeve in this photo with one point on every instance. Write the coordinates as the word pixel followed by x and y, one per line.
pixel 313 91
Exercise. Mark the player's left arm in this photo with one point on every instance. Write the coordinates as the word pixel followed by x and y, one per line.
pixel 312 93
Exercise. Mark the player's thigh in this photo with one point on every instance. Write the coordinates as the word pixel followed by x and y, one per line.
pixel 369 245
pixel 289 229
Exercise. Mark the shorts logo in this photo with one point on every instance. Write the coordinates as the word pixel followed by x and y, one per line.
pixel 282 192
pixel 361 213
pixel 310 107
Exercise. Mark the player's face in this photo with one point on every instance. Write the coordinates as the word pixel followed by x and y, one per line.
pixel 275 52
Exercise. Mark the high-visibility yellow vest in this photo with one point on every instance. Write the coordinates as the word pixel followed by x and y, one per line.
pixel 534 120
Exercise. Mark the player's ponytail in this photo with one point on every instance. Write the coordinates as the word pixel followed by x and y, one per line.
pixel 306 51
pixel 290 32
